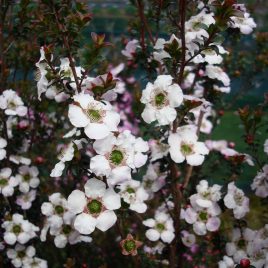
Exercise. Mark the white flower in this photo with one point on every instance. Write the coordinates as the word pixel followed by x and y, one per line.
pixel 134 194
pixel 153 180
pixel 3 144
pixel 188 239
pixel 18 230
pixel 184 146
pixel 266 146
pixel 7 183
pixel 236 200
pixel 210 55
pixel 95 207
pixel 42 83
pixel 56 211
pixel 12 103
pixel 194 27
pixel 245 24
pixel 161 99
pixel 206 196
pixel 97 118
pixel 215 72
pixel 36 263
pixel 20 255
pixel 161 227
pixel 227 262
pixel 17 159
pixel 27 178
pixel 203 219
pixel 159 54
pixel 66 155
pixel 117 156
pixel 130 49
pixel 25 200
pixel 158 149
pixel 260 183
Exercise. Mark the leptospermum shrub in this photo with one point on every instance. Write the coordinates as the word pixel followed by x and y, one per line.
pixel 106 152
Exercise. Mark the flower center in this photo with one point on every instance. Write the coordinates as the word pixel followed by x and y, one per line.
pixel 16 229
pixel 238 197
pixel 66 229
pixel 3 182
pixel 186 149
pixel 160 100
pixel 94 206
pixel 129 245
pixel 94 115
pixel 130 190
pixel 241 243
pixel 26 177
pixel 116 157
pixel 160 227
pixel 21 254
pixel 59 209
pixel 203 216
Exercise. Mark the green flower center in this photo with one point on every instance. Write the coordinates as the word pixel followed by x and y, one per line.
pixel 116 157
pixel 160 99
pixel 3 182
pixel 160 227
pixel 59 209
pixel 241 243
pixel 94 206
pixel 186 149
pixel 66 229
pixel 130 190
pixel 129 245
pixel 26 177
pixel 16 229
pixel 21 254
pixel 203 216
pixel 94 115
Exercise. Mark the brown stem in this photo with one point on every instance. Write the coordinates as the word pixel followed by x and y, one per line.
pixel 66 44
pixel 144 20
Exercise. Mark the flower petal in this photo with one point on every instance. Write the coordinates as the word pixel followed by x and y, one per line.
pixel 106 220
pixel 77 201
pixel 85 223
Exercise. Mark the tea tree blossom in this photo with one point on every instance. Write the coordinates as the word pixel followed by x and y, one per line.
pixel 161 227
pixel 18 230
pixel 36 262
pixel 97 119
pixel 130 245
pixel 226 262
pixel 266 146
pixel 3 144
pixel 216 72
pixel 160 99
pixel 206 196
pixel 7 183
pixel 236 200
pixel 130 49
pixel 188 239
pixel 154 179
pixel 94 207
pixel 12 103
pixel 184 145
pixel 66 155
pixel 117 156
pixel 25 200
pixel 260 183
pixel 27 178
pixel 245 24
pixel 56 211
pixel 134 194
pixel 21 255
pixel 203 219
